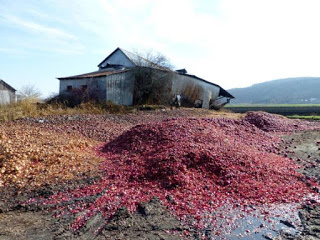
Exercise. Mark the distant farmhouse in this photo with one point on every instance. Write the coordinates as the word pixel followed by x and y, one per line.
pixel 117 79
pixel 7 93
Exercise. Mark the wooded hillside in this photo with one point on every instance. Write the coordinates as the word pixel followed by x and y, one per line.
pixel 289 90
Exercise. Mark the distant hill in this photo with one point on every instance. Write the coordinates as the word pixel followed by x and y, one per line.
pixel 289 90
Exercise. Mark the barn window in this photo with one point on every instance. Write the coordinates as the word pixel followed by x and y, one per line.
pixel 84 87
pixel 69 88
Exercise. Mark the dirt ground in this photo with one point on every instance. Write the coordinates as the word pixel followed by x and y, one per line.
pixel 151 220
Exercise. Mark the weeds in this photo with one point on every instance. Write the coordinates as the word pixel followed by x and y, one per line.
pixel 32 108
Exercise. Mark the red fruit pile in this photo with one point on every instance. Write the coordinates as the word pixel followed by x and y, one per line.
pixel 223 154
pixel 193 166
pixel 276 123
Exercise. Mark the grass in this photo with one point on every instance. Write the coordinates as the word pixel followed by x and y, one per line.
pixel 272 105
pixel 283 109
pixel 151 107
pixel 31 108
pixel 304 117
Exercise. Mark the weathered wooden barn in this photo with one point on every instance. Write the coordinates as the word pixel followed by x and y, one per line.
pixel 115 81
pixel 7 93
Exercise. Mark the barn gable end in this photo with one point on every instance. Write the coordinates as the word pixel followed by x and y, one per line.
pixel 117 58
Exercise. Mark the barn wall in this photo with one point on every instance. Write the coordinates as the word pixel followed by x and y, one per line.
pixel 6 94
pixel 118 58
pixel 119 88
pixel 13 96
pixel 96 85
pixel 194 89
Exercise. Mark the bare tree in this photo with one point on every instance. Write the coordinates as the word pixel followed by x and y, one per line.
pixel 29 92
pixel 153 78
pixel 150 58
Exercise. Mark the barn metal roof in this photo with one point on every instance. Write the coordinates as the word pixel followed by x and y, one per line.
pixel 94 74
pixel 7 85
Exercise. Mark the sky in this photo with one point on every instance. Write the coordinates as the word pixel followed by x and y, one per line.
pixel 228 42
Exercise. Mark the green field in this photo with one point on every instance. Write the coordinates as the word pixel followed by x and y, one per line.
pixel 294 110
pixel 305 117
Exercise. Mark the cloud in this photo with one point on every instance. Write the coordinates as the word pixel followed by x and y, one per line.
pixel 14 52
pixel 235 43
pixel 35 28
pixel 26 25
pixel 230 42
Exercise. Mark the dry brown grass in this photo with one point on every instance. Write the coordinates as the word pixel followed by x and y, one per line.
pixel 18 110
pixel 31 108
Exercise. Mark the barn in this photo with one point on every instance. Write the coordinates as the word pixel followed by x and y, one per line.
pixel 116 81
pixel 7 93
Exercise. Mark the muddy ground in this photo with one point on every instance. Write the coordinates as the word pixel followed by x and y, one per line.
pixel 151 220
pixel 304 149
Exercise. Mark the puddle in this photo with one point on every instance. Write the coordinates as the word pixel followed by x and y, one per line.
pixel 253 222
